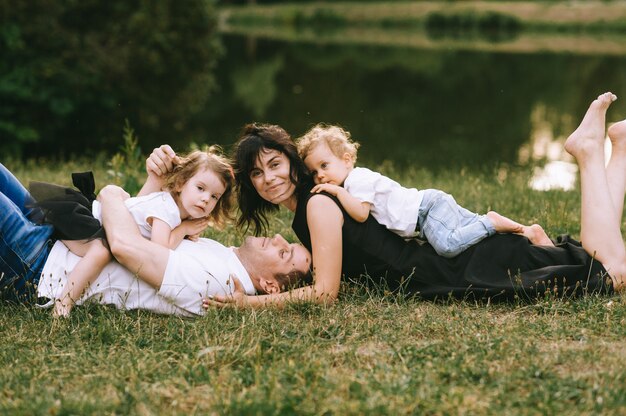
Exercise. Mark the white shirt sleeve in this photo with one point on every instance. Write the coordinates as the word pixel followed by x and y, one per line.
pixel 361 184
pixel 162 206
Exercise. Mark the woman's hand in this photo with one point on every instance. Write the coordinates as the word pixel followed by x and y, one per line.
pixel 161 160
pixel 237 298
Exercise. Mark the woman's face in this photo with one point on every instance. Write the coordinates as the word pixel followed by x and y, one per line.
pixel 271 176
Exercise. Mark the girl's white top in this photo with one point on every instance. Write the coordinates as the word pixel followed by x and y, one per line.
pixel 159 205
pixel 393 205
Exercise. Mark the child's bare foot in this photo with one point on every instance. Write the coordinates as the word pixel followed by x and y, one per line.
pixel 60 310
pixel 503 224
pixel 589 135
pixel 537 235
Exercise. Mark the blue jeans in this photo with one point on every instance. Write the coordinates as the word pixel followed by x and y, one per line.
pixel 24 245
pixel 449 227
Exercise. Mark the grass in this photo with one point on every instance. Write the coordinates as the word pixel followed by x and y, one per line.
pixel 369 353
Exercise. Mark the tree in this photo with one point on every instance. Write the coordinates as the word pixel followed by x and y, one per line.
pixel 72 71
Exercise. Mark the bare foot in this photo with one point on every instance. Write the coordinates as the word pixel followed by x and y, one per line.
pixel 503 224
pixel 61 310
pixel 590 134
pixel 537 235
pixel 617 134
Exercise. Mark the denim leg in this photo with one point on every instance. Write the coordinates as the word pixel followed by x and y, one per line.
pixel 450 228
pixel 24 248
pixel 15 191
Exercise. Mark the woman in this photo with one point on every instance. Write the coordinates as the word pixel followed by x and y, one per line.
pixel 269 173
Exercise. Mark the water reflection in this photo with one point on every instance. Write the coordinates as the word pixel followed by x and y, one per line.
pixel 437 109
pixel 554 168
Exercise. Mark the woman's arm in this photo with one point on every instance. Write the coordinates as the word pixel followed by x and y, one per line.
pixel 357 209
pixel 325 223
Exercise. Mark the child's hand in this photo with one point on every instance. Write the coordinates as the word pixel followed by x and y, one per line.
pixel 326 187
pixel 194 227
pixel 194 237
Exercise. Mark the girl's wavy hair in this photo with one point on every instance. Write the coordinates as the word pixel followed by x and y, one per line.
pixel 254 139
pixel 213 159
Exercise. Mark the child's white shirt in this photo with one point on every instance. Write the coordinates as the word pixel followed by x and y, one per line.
pixel 393 205
pixel 159 205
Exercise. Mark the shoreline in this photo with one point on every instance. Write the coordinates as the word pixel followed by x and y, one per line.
pixel 558 15
pixel 523 43
pixel 588 28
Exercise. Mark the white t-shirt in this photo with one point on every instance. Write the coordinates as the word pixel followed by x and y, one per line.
pixel 194 270
pixel 393 205
pixel 159 205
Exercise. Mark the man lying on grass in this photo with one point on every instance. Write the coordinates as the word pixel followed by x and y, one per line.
pixel 148 276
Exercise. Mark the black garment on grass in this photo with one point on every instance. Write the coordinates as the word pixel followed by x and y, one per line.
pixel 68 209
pixel 501 267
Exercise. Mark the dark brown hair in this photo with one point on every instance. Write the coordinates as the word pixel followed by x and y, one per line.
pixel 295 278
pixel 255 138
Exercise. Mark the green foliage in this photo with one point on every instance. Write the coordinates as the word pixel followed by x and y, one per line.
pixel 495 26
pixel 127 165
pixel 71 69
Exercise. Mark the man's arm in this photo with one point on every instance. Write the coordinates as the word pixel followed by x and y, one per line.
pixel 142 257
pixel 160 162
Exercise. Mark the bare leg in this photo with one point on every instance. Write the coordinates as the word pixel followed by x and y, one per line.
pixel 95 256
pixel 600 232
pixel 616 169
pixel 534 233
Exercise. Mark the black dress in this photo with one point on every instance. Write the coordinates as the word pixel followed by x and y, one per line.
pixel 501 267
pixel 68 209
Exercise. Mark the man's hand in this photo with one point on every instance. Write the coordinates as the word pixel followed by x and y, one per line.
pixel 237 298
pixel 334 190
pixel 161 160
pixel 112 191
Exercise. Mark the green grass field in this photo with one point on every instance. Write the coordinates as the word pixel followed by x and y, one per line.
pixel 369 353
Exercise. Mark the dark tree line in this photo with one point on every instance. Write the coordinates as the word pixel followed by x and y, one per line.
pixel 72 71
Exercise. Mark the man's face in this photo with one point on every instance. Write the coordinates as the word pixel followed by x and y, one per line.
pixel 266 257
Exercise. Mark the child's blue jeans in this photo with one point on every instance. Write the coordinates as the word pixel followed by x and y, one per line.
pixel 449 227
pixel 24 245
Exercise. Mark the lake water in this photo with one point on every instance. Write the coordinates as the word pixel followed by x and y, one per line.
pixel 410 101
pixel 425 107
